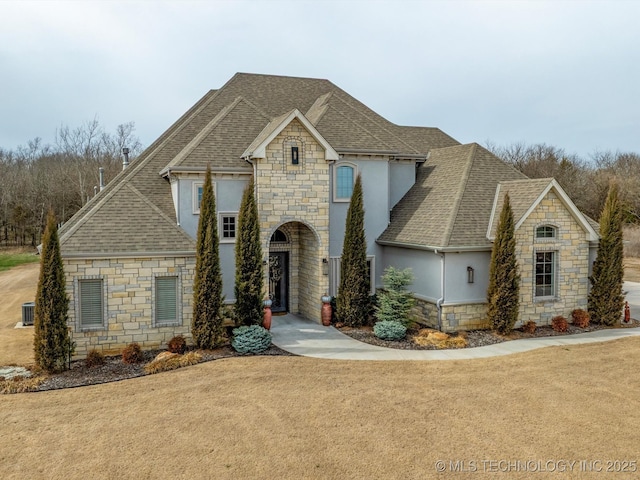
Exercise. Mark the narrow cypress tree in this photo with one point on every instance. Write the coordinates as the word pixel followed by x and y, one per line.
pixel 249 271
pixel 352 304
pixel 51 342
pixel 606 300
pixel 503 294
pixel 206 325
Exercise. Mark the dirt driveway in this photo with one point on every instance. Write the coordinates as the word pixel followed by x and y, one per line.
pixel 17 286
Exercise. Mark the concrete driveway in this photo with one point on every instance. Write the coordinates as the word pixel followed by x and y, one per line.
pixel 632 290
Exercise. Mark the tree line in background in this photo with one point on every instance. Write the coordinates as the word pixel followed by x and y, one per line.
pixel 62 176
pixel 585 181
pixel 38 177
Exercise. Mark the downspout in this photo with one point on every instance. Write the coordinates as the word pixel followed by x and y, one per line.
pixel 441 299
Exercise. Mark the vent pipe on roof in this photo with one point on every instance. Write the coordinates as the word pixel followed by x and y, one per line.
pixel 95 191
pixel 101 170
pixel 125 162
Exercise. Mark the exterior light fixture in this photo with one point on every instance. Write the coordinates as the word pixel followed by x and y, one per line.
pixel 470 273
pixel 325 266
pixel 294 156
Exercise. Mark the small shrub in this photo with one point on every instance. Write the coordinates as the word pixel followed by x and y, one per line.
pixel 559 324
pixel 251 339
pixel 94 358
pixel 428 337
pixel 580 318
pixel 389 330
pixel 529 327
pixel 171 362
pixel 132 353
pixel 22 385
pixel 177 344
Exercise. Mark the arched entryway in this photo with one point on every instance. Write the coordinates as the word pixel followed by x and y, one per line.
pixel 295 278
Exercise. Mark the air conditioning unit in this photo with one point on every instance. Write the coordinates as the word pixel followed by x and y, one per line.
pixel 28 312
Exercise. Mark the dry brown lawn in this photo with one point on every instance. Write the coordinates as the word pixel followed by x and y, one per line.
pixel 295 418
pixel 17 286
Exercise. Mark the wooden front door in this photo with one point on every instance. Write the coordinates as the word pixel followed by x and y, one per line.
pixel 279 281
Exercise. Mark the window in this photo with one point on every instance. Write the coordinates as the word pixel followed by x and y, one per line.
pixel 198 188
pixel 166 300
pixel 279 237
pixel 228 227
pixel 91 303
pixel 334 274
pixel 545 274
pixel 545 231
pixel 344 178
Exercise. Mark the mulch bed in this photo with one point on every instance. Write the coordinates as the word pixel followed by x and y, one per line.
pixel 114 369
pixel 475 338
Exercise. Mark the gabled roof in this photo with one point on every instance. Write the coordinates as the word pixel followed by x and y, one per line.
pixel 525 195
pixel 217 130
pixel 450 204
pixel 258 147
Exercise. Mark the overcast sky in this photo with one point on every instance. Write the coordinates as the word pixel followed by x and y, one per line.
pixel 566 73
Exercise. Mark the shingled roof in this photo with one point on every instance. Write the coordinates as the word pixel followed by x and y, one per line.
pixel 450 204
pixel 136 207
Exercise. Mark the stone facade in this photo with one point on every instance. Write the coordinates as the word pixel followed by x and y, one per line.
pixel 128 297
pixel 455 317
pixel 571 263
pixel 297 196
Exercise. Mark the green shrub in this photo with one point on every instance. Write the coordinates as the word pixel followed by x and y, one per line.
pixel 251 339
pixel 389 330
pixel 395 301
pixel 132 353
pixel 177 344
pixel 94 358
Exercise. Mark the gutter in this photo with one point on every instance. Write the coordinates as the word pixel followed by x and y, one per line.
pixel 431 248
pixel 441 299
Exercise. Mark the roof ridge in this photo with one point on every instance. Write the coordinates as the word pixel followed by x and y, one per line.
pixel 155 208
pixel 145 157
pixel 378 123
pixel 202 134
pixel 359 126
pixel 321 105
pixel 460 193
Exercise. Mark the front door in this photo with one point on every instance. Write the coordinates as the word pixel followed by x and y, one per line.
pixel 279 281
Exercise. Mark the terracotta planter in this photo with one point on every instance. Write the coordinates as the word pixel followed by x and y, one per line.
pixel 266 319
pixel 325 313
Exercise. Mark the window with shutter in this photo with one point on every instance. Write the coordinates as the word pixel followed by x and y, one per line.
pixel 91 302
pixel 166 304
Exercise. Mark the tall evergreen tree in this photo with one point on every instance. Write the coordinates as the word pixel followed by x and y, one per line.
pixel 503 294
pixel 206 325
pixel 606 300
pixel 352 304
pixel 51 341
pixel 249 270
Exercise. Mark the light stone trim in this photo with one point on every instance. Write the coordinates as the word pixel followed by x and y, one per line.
pixel 129 301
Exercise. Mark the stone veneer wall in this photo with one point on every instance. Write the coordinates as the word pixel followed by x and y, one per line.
pixel 572 262
pixel 289 193
pixel 470 316
pixel 129 300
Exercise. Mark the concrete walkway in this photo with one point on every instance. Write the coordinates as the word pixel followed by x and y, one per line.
pixel 306 338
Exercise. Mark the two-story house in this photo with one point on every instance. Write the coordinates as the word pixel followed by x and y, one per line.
pixel 430 204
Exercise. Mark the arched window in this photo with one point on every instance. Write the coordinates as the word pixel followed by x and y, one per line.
pixel 546 231
pixel 279 237
pixel 345 175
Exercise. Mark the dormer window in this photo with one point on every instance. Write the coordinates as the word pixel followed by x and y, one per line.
pixel 546 231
